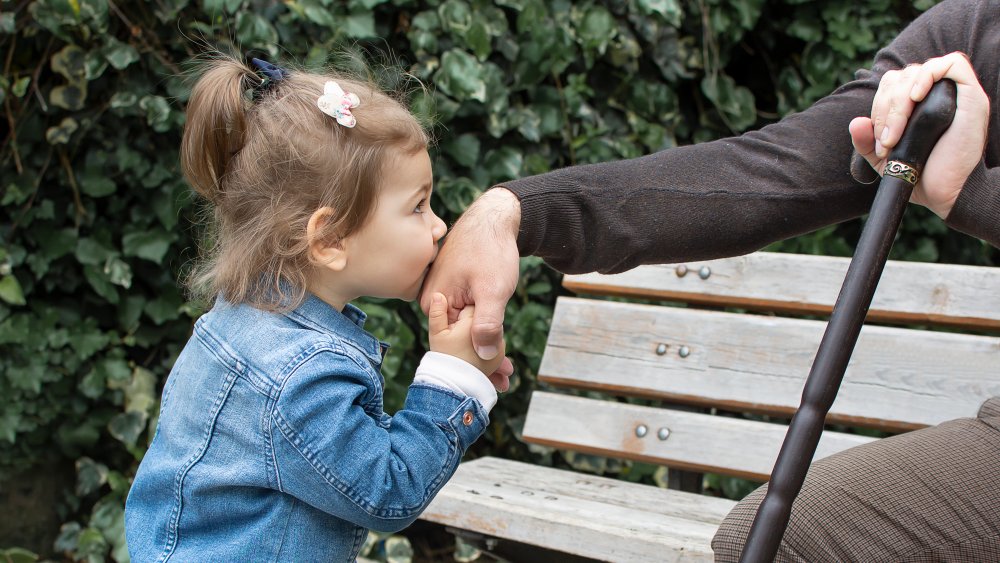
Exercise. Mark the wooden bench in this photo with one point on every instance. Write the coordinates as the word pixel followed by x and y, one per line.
pixel 899 379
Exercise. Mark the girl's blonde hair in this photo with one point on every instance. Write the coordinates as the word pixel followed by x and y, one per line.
pixel 267 158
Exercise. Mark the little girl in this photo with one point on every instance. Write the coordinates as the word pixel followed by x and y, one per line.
pixel 272 444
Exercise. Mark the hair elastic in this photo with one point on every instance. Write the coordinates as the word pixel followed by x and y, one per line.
pixel 272 75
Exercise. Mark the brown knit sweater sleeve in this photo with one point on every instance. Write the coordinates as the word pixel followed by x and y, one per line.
pixel 736 195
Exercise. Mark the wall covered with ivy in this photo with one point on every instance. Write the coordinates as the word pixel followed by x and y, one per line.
pixel 97 224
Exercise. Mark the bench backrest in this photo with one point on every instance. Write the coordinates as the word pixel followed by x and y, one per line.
pixel 898 379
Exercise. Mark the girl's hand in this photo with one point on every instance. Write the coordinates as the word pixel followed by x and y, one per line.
pixel 455 339
pixel 958 151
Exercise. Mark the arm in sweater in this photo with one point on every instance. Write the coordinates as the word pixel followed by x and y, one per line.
pixel 736 195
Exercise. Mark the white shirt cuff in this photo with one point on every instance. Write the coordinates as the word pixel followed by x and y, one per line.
pixel 458 375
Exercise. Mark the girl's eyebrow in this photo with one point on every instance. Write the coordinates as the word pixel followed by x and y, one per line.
pixel 426 188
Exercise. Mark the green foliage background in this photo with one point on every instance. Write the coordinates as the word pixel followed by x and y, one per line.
pixel 96 222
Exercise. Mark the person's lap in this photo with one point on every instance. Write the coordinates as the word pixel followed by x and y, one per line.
pixel 928 495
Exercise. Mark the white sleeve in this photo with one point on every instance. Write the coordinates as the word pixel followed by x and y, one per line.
pixel 458 375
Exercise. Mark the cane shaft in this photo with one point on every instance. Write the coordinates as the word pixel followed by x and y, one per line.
pixel 827 371
pixel 929 121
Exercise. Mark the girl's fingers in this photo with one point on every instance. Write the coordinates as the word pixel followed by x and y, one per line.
pixel 437 314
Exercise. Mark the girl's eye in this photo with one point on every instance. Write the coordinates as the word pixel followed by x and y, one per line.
pixel 420 206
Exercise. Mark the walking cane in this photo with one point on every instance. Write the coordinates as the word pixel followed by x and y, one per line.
pixel 929 121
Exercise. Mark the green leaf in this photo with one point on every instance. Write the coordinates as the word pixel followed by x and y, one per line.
pixel 166 307
pixel 129 312
pixel 27 377
pixel 91 252
pixel 214 7
pixel 90 476
pixel 456 16
pixel 20 87
pixel 10 421
pixel 457 193
pixel 140 395
pixel 118 272
pixel 101 284
pixel 320 15
pixel 466 552
pixel 360 25
pixel 69 62
pixel 96 184
pixel 127 426
pixel 60 134
pixel 115 371
pixel 398 550
pixel 464 149
pixel 157 112
pixel 86 339
pixel 365 4
pixel 478 39
pixel 461 76
pixel 14 195
pixel 54 244
pixel 15 329
pixel 17 555
pixel 69 96
pixel 503 164
pixel 93 384
pixel 122 100
pixel 806 29
pixel 7 23
pixel 735 103
pixel 69 534
pixel 151 245
pixel 92 543
pixel 10 290
pixel 597 28
pixel 669 10
pixel 95 64
pixel 119 54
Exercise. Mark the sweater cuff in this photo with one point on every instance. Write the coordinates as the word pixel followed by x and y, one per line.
pixel 977 209
pixel 458 375
pixel 543 224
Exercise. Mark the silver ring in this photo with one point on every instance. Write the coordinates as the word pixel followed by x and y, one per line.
pixel 902 171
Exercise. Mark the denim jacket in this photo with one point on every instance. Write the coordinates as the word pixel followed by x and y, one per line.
pixel 272 444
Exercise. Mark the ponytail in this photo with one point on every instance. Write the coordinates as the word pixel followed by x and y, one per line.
pixel 215 129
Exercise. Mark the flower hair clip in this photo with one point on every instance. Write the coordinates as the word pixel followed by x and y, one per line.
pixel 338 104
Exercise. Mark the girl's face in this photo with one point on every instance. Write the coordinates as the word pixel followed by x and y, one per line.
pixel 392 252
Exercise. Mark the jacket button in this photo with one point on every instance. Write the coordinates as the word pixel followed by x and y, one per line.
pixel 467 418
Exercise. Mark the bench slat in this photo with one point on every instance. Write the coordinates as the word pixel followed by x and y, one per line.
pixel 698 442
pixel 898 379
pixel 581 514
pixel 909 292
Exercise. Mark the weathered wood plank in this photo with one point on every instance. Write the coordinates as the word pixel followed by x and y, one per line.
pixel 898 379
pixel 700 442
pixel 581 514
pixel 909 292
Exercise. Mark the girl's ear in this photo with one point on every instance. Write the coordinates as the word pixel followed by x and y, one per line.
pixel 325 250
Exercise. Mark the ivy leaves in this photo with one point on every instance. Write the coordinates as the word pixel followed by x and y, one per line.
pixel 97 225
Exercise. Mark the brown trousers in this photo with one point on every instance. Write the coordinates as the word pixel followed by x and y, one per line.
pixel 927 495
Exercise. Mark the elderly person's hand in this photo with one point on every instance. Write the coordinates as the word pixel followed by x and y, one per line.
pixel 958 151
pixel 478 265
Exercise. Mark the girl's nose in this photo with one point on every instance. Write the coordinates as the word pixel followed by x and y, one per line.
pixel 439 228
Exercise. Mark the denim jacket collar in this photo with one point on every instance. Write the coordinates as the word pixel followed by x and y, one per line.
pixel 349 324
